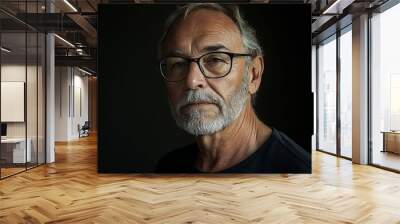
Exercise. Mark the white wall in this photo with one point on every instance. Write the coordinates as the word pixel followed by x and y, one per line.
pixel 16 73
pixel 80 102
pixel 71 93
pixel 61 103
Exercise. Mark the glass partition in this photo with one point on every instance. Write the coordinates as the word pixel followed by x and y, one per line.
pixel 31 100
pixel 327 95
pixel 346 93
pixel 22 88
pixel 14 153
pixel 385 88
pixel 41 91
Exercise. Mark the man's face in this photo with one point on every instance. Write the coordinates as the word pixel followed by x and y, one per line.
pixel 200 105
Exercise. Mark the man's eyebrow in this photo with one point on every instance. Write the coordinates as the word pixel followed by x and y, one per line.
pixel 175 53
pixel 206 49
pixel 216 47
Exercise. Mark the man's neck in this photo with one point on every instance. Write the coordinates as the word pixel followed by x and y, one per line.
pixel 233 144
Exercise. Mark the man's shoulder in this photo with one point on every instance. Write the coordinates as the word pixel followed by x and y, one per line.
pixel 295 157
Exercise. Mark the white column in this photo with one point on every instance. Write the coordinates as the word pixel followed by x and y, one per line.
pixel 360 90
pixel 50 93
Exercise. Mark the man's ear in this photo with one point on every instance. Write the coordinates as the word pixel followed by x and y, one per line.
pixel 255 73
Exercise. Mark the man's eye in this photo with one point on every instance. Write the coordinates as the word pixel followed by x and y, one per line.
pixel 178 64
pixel 215 60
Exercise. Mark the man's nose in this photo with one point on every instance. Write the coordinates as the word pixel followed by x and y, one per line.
pixel 195 78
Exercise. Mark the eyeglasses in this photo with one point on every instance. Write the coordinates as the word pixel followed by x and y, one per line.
pixel 213 65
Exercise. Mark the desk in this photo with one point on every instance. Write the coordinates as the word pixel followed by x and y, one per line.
pixel 13 150
pixel 391 141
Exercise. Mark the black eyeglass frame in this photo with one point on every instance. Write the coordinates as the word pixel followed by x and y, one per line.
pixel 197 60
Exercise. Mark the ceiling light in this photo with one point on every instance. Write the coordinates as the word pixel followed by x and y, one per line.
pixel 338 6
pixel 5 50
pixel 70 5
pixel 64 40
pixel 331 7
pixel 84 71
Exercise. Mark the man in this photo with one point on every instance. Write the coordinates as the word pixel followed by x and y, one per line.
pixel 213 64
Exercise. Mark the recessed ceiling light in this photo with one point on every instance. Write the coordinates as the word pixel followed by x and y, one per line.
pixel 84 71
pixel 5 50
pixel 337 7
pixel 70 5
pixel 64 40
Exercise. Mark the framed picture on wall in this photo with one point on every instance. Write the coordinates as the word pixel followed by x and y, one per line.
pixel 205 88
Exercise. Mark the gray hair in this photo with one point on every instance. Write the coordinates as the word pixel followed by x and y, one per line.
pixel 248 34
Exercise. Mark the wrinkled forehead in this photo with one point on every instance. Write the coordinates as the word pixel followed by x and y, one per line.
pixel 201 31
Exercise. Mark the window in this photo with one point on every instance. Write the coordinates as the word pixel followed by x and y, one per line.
pixel 346 93
pixel 385 88
pixel 327 95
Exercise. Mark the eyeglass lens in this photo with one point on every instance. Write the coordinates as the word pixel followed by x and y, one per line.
pixel 212 65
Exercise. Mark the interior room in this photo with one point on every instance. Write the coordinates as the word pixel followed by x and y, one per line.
pixel 49 100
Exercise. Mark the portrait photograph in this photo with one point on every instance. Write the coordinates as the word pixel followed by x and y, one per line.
pixel 204 88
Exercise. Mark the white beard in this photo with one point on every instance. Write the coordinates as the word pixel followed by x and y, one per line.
pixel 197 123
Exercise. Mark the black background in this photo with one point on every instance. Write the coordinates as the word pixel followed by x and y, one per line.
pixel 136 127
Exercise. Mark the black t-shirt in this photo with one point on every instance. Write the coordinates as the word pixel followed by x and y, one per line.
pixel 279 154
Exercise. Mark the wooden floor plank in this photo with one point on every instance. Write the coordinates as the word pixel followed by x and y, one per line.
pixel 71 191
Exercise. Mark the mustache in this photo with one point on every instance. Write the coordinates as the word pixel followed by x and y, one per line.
pixel 199 96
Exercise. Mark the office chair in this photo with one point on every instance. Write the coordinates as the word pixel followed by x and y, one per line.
pixel 84 130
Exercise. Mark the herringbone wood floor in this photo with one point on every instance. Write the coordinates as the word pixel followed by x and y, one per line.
pixel 71 191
